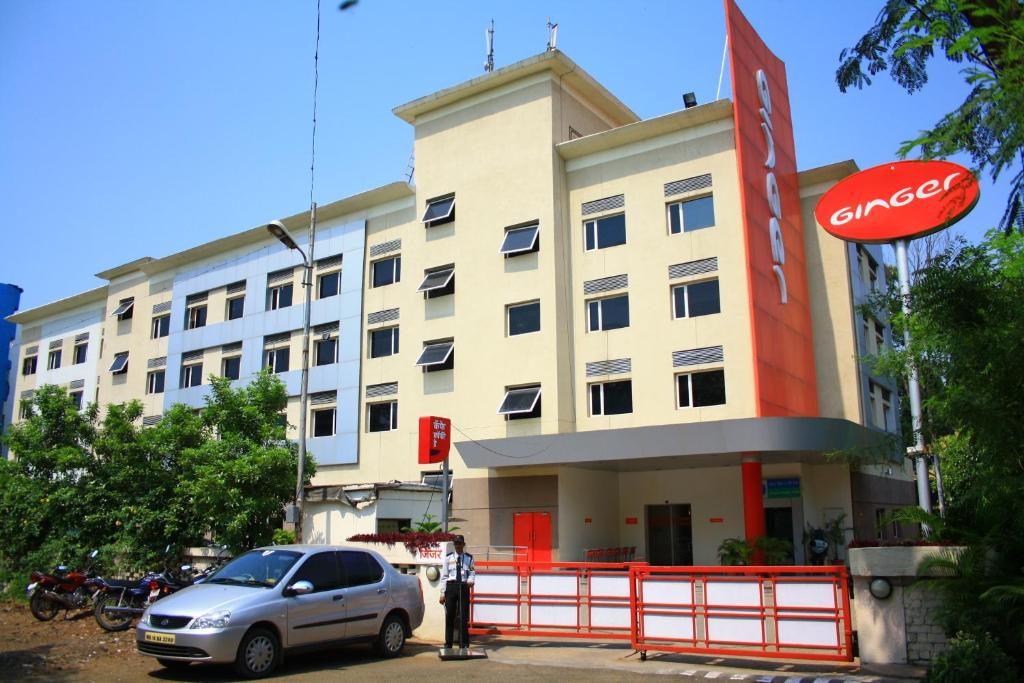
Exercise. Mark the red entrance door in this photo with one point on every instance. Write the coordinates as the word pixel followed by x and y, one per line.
pixel 532 530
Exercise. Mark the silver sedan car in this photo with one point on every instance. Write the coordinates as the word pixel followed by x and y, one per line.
pixel 283 598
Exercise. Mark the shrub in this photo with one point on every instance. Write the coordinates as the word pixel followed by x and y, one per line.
pixel 972 657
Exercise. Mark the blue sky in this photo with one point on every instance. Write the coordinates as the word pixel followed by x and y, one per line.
pixel 132 129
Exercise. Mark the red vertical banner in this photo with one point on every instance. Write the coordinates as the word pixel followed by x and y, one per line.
pixel 435 439
pixel 780 311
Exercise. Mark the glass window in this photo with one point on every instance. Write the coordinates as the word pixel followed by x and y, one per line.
pixel 161 327
pixel 383 342
pixel 521 240
pixel 696 299
pixel 323 422
pixel 236 307
pixel 231 367
pixel 53 362
pixel 387 271
pixel 611 398
pixel 321 570
pixel 276 360
pixel 382 417
pixel 120 364
pixel 692 214
pixel 608 314
pixel 392 526
pixel 28 366
pixel 195 316
pixel 124 309
pixel 327 285
pixel 440 282
pixel 521 403
pixel 440 210
pixel 325 351
pixel 76 398
pixel 359 568
pixel 437 356
pixel 79 354
pixel 523 318
pixel 279 296
pixel 602 233
pixel 155 382
pixel 699 389
pixel 191 375
pixel 257 568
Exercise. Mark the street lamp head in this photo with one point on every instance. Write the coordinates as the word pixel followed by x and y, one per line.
pixel 277 229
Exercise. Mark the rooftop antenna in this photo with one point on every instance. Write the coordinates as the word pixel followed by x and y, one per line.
pixel 410 168
pixel 552 35
pixel 489 64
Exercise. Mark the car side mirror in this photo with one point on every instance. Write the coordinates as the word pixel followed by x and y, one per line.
pixel 299 588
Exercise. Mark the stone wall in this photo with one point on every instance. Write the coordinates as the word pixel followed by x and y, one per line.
pixel 925 638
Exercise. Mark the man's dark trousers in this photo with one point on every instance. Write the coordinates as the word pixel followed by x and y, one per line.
pixel 456 602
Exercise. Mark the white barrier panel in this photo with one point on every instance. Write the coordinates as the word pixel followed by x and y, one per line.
pixel 668 626
pixel 554 615
pixel 609 586
pixel 502 607
pixel 609 617
pixel 554 584
pixel 503 613
pixel 499 584
pixel 793 631
pixel 810 594
pixel 668 592
pixel 735 628
pixel 732 593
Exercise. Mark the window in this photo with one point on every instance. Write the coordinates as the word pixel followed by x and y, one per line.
pixel 608 314
pixel 276 360
pixel 690 215
pixel 26 410
pixel 328 284
pixel 78 355
pixel 520 403
pixel 279 296
pixel 521 240
pixel 124 309
pixel 325 351
pixel 437 356
pixel 120 364
pixel 76 398
pixel 236 308
pixel 382 417
pixel 439 211
pixel 53 362
pixel 195 316
pixel 696 299
pixel 161 327
pixel 438 282
pixel 323 422
pixel 322 571
pixel 879 337
pixel 386 271
pixel 384 342
pixel 191 375
pixel 523 318
pixel 880 523
pixel 28 366
pixel 359 568
pixel 392 526
pixel 155 382
pixel 868 267
pixel 231 367
pixel 698 389
pixel 611 398
pixel 602 233
pixel 886 409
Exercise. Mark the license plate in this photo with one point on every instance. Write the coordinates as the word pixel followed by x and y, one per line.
pixel 165 638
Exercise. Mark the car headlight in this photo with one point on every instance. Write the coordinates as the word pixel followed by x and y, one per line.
pixel 218 619
pixel 145 618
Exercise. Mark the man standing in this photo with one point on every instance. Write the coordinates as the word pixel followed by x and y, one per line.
pixel 457 575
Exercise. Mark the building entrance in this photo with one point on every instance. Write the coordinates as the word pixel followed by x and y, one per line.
pixel 779 524
pixel 532 531
pixel 669 535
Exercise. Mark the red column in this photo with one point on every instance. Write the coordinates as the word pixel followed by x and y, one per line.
pixel 753 505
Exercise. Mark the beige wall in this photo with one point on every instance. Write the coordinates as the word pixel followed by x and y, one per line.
pixel 588 505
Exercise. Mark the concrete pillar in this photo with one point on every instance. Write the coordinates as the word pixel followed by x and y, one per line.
pixel 753 503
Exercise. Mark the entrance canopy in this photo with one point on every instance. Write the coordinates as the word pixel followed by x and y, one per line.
pixel 702 444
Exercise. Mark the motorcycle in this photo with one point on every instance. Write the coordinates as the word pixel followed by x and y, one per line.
pixel 62 589
pixel 119 602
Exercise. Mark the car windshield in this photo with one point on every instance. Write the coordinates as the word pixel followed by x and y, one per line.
pixel 262 568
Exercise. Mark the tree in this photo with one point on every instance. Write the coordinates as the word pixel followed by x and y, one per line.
pixel 985 35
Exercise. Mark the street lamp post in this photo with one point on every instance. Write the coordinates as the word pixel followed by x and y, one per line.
pixel 277 229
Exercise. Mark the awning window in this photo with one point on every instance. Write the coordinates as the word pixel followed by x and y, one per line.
pixel 437 279
pixel 124 307
pixel 440 210
pixel 120 363
pixel 520 240
pixel 436 354
pixel 519 401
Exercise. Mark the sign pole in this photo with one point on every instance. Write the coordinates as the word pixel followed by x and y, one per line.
pixel 444 495
pixel 914 388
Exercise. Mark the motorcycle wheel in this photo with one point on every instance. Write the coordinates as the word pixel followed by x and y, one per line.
pixel 108 621
pixel 42 609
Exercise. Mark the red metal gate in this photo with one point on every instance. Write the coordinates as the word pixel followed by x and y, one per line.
pixel 791 612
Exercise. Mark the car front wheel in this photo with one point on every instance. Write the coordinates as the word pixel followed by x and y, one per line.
pixel 392 637
pixel 259 653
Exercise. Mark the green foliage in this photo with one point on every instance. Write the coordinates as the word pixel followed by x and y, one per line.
pixel 735 552
pixel 972 657
pixel 78 482
pixel 428 525
pixel 283 537
pixel 987 36
pixel 775 551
